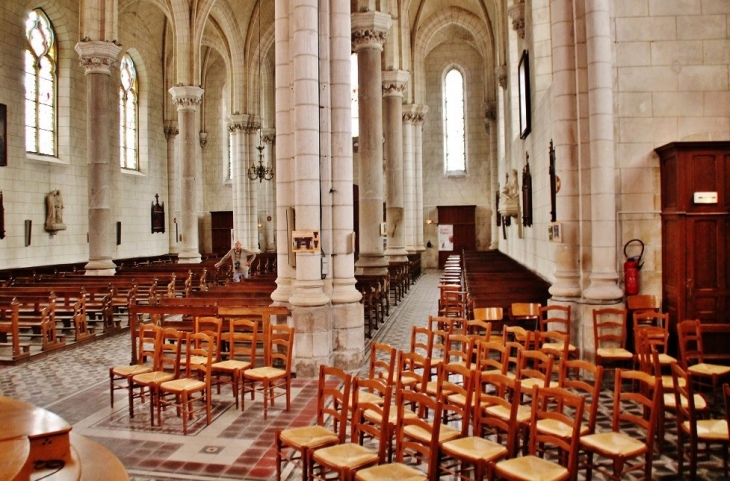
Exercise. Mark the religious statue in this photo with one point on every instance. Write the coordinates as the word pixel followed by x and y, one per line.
pixel 54 212
pixel 509 199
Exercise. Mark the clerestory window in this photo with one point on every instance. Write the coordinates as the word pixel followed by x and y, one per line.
pixel 128 114
pixel 40 84
pixel 454 124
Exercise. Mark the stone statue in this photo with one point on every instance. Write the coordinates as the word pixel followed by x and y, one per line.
pixel 509 199
pixel 54 212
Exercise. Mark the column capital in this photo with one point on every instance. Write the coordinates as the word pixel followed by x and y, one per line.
pixel 410 113
pixel 186 96
pixel 97 56
pixel 421 116
pixel 171 129
pixel 369 30
pixel 517 13
pixel 237 122
pixel 395 82
pixel 268 136
pixel 501 73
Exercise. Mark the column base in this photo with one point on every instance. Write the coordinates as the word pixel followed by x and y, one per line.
pixel 344 291
pixel 189 257
pixel 420 248
pixel 371 265
pixel 283 290
pixel 604 288
pixel 566 286
pixel 308 294
pixel 312 339
pixel 100 267
pixel 396 256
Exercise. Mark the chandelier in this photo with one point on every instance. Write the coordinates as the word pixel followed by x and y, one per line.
pixel 259 171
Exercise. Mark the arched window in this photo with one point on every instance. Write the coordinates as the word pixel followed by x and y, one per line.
pixel 454 138
pixel 354 104
pixel 40 85
pixel 128 102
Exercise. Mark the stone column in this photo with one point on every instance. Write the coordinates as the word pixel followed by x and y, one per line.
pixel 603 277
pixel 284 164
pixel 251 219
pixel 236 126
pixel 490 123
pixel 418 148
pixel 98 58
pixel 173 185
pixel 409 176
pixel 565 118
pixel 394 84
pixel 187 98
pixel 269 138
pixel 369 30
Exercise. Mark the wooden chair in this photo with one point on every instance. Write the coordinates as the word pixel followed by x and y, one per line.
pixel 422 343
pixel 525 314
pixel 636 402
pixel 410 433
pixel 609 337
pixel 213 326
pixel 658 337
pixel 276 373
pixel 477 453
pixel 492 315
pixel 452 325
pixel 166 367
pixel 478 330
pixel 492 355
pixel 347 458
pixel 585 379
pixel 293 445
pixel 638 303
pixel 382 364
pixel 455 390
pixel 692 357
pixel 242 339
pixel 460 349
pixel 534 368
pixel 692 429
pixel 452 304
pixel 554 405
pixel 146 340
pixel 194 386
pixel 556 318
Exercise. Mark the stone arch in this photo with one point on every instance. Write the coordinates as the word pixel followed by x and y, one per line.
pixel 480 31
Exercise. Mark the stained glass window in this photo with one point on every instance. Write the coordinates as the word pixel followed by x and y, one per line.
pixel 40 85
pixel 354 103
pixel 128 95
pixel 454 138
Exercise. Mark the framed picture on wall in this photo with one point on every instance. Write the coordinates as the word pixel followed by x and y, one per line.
pixel 523 79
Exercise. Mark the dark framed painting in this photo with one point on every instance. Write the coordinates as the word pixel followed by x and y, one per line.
pixel 523 79
pixel 158 216
pixel 3 135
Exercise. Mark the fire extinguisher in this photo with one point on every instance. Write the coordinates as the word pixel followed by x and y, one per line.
pixel 632 265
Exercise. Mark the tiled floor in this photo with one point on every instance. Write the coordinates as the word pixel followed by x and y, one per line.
pixel 238 444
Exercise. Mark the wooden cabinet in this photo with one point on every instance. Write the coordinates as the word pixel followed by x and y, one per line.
pixel 695 202
pixel 221 224
pixel 463 218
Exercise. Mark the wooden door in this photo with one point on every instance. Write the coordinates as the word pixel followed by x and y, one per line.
pixel 463 218
pixel 221 224
pixel 708 276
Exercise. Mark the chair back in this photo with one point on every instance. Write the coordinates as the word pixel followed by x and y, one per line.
pixel 556 405
pixel 648 337
pixel 459 349
pixel 413 371
pixel 169 351
pixel 492 356
pixel 496 391
pixel 478 330
pixel 333 398
pixel 421 340
pixel 609 328
pixel 533 364
pixel 382 362
pixel 585 379
pixel 365 412
pixel 452 325
pixel 242 340
pixel 636 400
pixel 455 390
pixel 690 343
pixel 555 343
pixel 280 347
pixel 213 326
pixel 555 318
pixel 146 342
pixel 488 314
pixel 199 347
pixel 410 430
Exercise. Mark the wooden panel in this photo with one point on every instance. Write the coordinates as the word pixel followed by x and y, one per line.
pixel 463 218
pixel 707 244
pixel 221 223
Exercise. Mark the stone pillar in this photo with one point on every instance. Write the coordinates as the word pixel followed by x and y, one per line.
pixel 269 138
pixel 173 185
pixel 604 277
pixel 348 319
pixel 409 176
pixel 98 58
pixel 394 84
pixel 369 30
pixel 251 216
pixel 236 126
pixel 565 118
pixel 490 123
pixel 187 98
pixel 418 148
pixel 285 139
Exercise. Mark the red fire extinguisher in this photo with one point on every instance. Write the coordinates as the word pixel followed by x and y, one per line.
pixel 632 265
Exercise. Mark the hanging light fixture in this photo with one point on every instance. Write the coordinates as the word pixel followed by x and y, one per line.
pixel 260 171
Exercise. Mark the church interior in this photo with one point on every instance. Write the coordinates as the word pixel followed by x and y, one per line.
pixel 378 162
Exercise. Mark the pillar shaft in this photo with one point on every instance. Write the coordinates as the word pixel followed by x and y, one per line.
pixel 369 30
pixel 269 137
pixel 418 152
pixel 409 177
pixel 236 126
pixel 394 84
pixel 98 58
pixel 187 99
pixel 603 275
pixel 173 185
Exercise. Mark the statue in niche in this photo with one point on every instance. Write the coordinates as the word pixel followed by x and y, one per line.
pixel 509 199
pixel 54 212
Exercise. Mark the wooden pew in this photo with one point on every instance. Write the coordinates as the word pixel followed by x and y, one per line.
pixel 9 326
pixel 36 319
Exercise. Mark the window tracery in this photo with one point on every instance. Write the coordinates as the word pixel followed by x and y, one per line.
pixel 40 85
